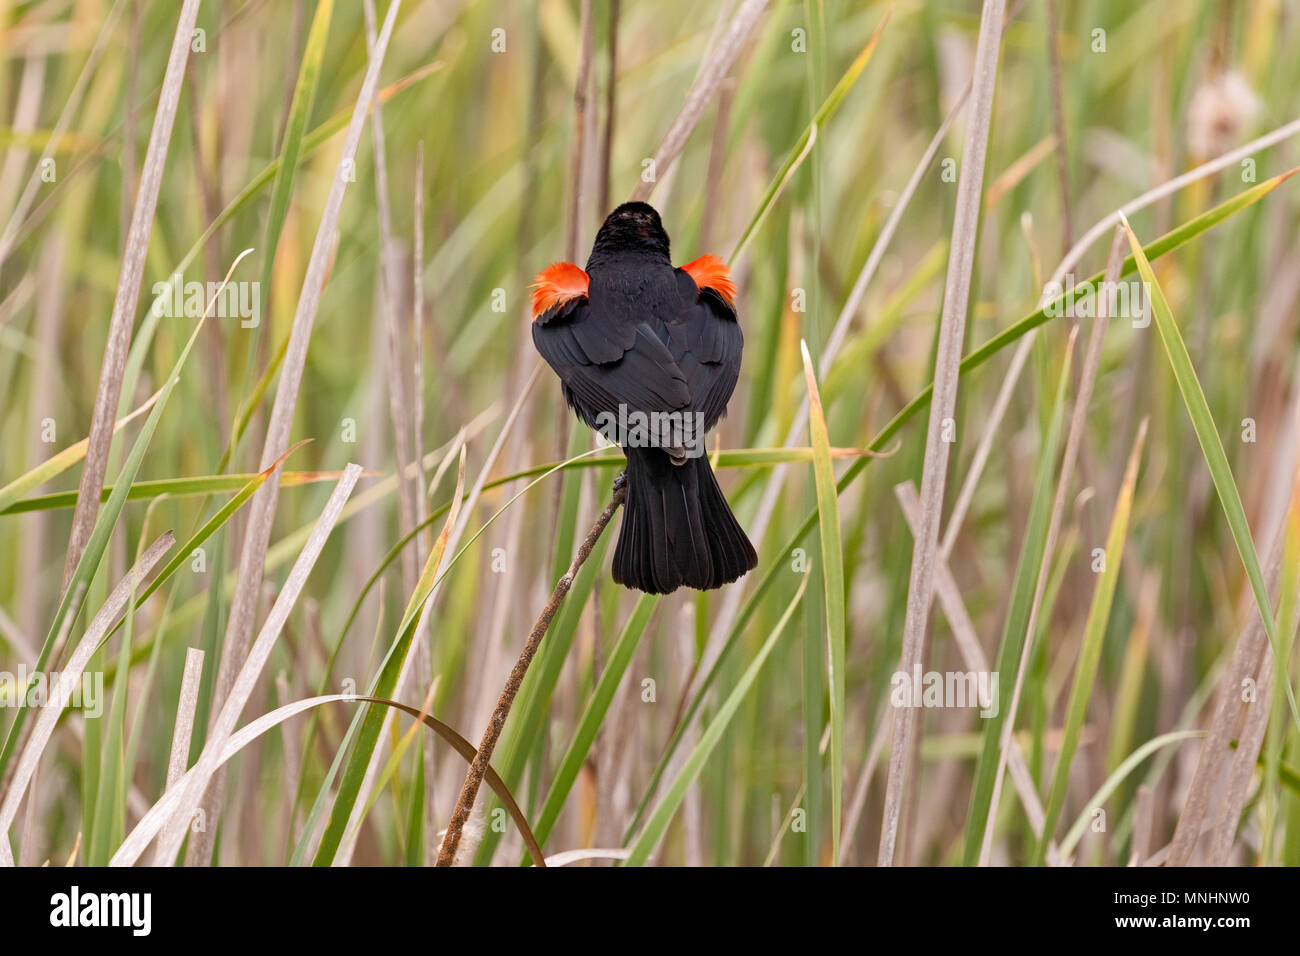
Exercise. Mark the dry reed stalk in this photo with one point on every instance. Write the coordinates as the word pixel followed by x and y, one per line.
pixel 943 406
pixel 417 348
pixel 183 728
pixel 1218 788
pixel 720 58
pixel 128 294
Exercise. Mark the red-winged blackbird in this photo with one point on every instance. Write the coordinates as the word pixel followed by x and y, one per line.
pixel 648 354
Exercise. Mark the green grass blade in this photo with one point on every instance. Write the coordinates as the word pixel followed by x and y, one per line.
pixel 109 811
pixel 1116 778
pixel 171 488
pixel 566 518
pixel 1212 448
pixel 800 149
pixel 216 484
pixel 828 518
pixel 304 95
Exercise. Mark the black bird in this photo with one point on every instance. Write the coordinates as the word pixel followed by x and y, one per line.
pixel 648 354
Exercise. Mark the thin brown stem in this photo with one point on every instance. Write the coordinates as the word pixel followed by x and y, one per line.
pixel 479 767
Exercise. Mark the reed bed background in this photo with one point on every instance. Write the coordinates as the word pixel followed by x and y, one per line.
pixel 345 481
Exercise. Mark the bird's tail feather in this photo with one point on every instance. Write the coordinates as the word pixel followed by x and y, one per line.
pixel 677 527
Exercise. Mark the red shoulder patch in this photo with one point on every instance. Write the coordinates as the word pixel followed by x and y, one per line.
pixel 710 272
pixel 556 285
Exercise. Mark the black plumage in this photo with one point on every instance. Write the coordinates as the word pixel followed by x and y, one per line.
pixel 633 334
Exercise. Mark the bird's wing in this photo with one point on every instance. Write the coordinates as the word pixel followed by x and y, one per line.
pixel 604 361
pixel 707 340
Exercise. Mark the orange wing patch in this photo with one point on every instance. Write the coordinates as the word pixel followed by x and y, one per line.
pixel 710 272
pixel 556 285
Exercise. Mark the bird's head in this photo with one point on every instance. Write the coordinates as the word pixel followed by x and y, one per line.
pixel 633 227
